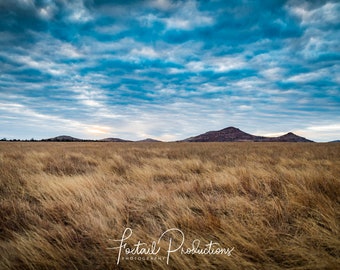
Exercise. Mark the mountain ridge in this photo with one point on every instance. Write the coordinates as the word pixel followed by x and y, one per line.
pixel 113 140
pixel 229 134
pixel 149 140
pixel 232 134
pixel 63 138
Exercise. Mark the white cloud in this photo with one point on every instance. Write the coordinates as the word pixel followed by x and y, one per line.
pixel 175 70
pixel 309 76
pixel 87 95
pixel 275 134
pixel 161 4
pixel 186 17
pixel 43 65
pixel 77 12
pixel 321 132
pixel 211 88
pixel 331 128
pixel 318 37
pixel 47 56
pixel 245 107
pixel 195 66
pixel 217 64
pixel 325 14
pixel 144 52
pixel 69 51
pixel 226 63
pixel 28 116
pixel 273 74
pixel 249 84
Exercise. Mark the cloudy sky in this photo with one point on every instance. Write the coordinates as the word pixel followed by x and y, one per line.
pixel 169 69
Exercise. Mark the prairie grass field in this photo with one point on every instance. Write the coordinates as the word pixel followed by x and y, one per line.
pixel 274 205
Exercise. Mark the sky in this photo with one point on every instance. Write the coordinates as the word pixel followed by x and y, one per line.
pixel 167 69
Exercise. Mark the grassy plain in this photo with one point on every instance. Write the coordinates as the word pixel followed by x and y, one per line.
pixel 63 204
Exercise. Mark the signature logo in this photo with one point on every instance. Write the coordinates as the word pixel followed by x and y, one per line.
pixel 173 245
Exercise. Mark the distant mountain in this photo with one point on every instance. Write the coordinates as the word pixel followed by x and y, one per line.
pixel 229 134
pixel 232 134
pixel 289 137
pixel 335 141
pixel 63 138
pixel 149 140
pixel 113 140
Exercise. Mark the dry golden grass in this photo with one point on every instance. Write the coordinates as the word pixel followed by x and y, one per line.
pixel 277 204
